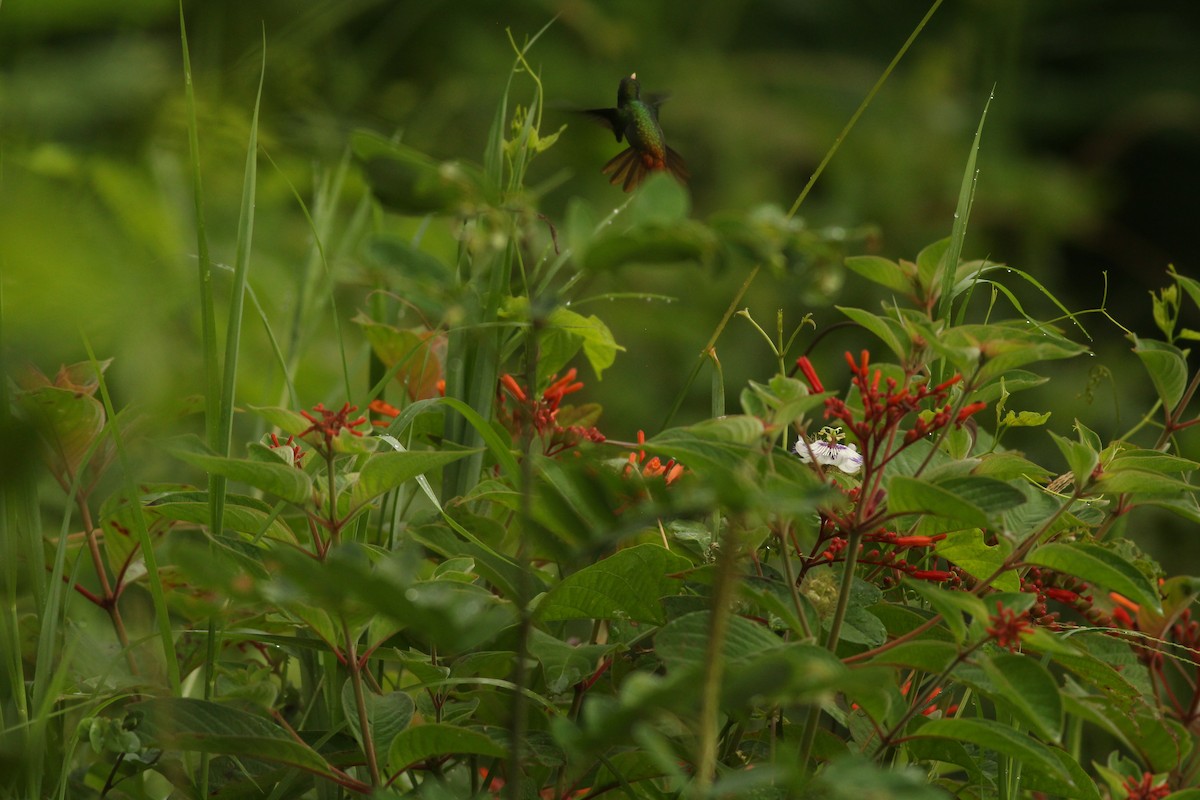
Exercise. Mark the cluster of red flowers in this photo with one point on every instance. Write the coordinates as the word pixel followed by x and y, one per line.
pixel 668 470
pixel 290 451
pixel 1065 589
pixel 331 423
pixel 1007 626
pixel 885 408
pixel 1144 788
pixel 877 427
pixel 518 411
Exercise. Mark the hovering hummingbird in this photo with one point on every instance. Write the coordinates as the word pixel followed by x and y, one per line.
pixel 636 120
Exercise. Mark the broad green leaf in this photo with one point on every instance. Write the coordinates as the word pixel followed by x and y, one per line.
pixel 890 331
pixel 1000 738
pixel 1150 460
pixel 1008 346
pixel 926 655
pixel 563 664
pixel 1141 482
pixel 410 181
pixel 854 777
pixel 597 341
pixel 660 200
pixel 931 261
pixel 388 469
pixel 1080 787
pixel 1007 466
pixel 180 723
pixel 951 605
pixel 675 243
pixel 991 496
pixel 968 550
pixel 1090 670
pixel 1030 690
pixel 627 584
pixel 243 513
pixel 1008 384
pixel 1167 367
pixel 499 570
pixel 882 271
pixel 683 642
pixel 1025 419
pixel 910 495
pixel 1081 459
pixel 434 739
pixel 68 420
pixel 387 714
pixel 1099 565
pixel 288 421
pixel 280 480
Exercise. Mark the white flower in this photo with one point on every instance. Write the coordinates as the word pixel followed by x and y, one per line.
pixel 843 456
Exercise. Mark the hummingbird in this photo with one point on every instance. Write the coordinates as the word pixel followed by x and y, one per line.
pixel 636 120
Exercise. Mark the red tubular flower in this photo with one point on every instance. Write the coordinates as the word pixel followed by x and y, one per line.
pixel 969 409
pixel 1064 596
pixel 810 374
pixel 935 575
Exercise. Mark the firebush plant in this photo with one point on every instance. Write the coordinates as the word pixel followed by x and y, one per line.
pixel 448 583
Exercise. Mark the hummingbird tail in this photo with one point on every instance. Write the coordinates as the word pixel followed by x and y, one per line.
pixel 677 166
pixel 630 167
pixel 626 166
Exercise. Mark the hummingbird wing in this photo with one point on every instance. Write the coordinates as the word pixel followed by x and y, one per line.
pixel 609 118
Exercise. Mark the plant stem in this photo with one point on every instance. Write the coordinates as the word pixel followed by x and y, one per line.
pixel 714 663
pixel 360 704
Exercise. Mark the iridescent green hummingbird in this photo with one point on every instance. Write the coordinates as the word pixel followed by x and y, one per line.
pixel 636 120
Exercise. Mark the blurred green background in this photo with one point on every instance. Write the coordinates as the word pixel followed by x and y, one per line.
pixel 1088 163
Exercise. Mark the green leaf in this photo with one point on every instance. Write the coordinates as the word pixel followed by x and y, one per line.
pixel 1152 460
pixel 680 242
pixel 683 642
pixel 243 513
pixel 388 469
pixel 410 181
pixel 180 723
pixel 387 714
pixel 627 584
pixel 992 496
pixel 1167 367
pixel 890 331
pixel 564 665
pixel 660 200
pixel 951 605
pixel 434 739
pixel 882 271
pixel 597 341
pixel 1030 690
pixel 1002 739
pixel 280 480
pixel 910 495
pixel 923 654
pixel 968 550
pixel 1096 564
pixel 1004 347
pixel 1081 459
pixel 1025 419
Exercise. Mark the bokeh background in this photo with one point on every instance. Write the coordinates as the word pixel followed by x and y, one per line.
pixel 1087 173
